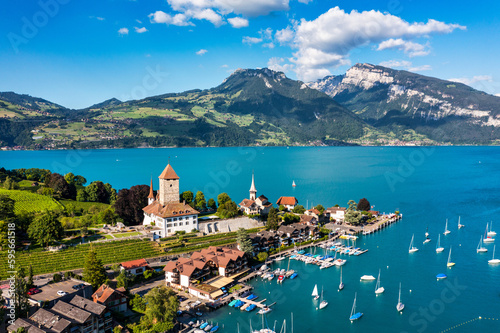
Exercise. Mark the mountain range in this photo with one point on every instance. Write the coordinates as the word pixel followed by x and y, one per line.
pixel 367 105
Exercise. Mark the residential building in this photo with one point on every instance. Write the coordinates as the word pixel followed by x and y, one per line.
pixel 188 273
pixel 255 205
pixel 79 316
pixel 297 233
pixel 135 267
pixel 308 219
pixel 313 212
pixel 113 299
pixel 288 202
pixel 336 213
pixel 264 241
pixel 166 212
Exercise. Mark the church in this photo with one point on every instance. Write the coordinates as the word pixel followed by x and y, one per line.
pixel 255 205
pixel 165 211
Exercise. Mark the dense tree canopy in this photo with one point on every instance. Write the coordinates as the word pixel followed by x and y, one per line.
pixel 160 313
pixel 222 199
pixel 45 228
pixel 244 242
pixel 93 270
pixel 199 201
pixel 211 204
pixel 130 202
pixel 299 209
pixel 352 215
pixel 272 220
pixel 364 205
pixel 187 196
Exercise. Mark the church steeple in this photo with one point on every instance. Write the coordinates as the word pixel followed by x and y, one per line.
pixel 151 196
pixel 169 186
pixel 253 190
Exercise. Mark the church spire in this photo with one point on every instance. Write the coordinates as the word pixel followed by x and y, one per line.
pixel 253 190
pixel 151 194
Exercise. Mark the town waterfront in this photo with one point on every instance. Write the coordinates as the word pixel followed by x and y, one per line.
pixel 427 184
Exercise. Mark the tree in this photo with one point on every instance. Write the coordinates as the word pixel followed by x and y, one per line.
pixel 45 228
pixel 97 192
pixel 59 185
pixel 282 208
pixel 30 278
pixel 262 256
pixel 20 296
pixel 187 196
pixel 299 209
pixel 364 205
pixel 352 215
pixel 222 199
pixel 10 184
pixel 93 270
pixel 124 279
pixel 70 178
pixel 138 304
pixel 227 210
pixel 211 204
pixel 111 193
pixel 161 309
pixel 108 216
pixel 80 180
pixel 130 202
pixel 6 208
pixel 117 329
pixel 272 220
pixel 320 208
pixel 244 242
pixel 199 201
pixel 81 195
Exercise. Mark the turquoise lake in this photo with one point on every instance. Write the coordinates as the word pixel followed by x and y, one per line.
pixel 427 184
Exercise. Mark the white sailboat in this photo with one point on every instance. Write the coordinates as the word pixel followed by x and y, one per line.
pixel 355 315
pixel 378 288
pixel 487 237
pixel 341 285
pixel 293 183
pixel 480 247
pixel 450 263
pixel 460 226
pixel 400 306
pixel 491 232
pixel 412 248
pixel 323 303
pixel 439 249
pixel 315 292
pixel 427 232
pixel 494 261
pixel 446 231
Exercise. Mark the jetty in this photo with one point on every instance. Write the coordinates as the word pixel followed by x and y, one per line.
pixel 379 225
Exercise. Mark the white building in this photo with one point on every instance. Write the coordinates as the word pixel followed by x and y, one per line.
pixel 336 213
pixel 165 211
pixel 255 205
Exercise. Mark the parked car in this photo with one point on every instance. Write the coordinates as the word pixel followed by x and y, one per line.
pixel 62 293
pixel 33 291
pixel 78 286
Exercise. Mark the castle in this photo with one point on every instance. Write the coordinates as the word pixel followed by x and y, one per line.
pixel 166 212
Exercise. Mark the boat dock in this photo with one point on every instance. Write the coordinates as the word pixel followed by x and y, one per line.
pixel 370 229
pixel 259 304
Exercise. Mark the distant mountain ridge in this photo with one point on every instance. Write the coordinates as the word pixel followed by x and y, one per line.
pixel 367 105
pixel 386 97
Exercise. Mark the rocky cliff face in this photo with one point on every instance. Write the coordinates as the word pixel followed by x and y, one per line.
pixel 379 94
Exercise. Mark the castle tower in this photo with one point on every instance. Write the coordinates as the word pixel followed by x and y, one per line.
pixel 253 190
pixel 151 196
pixel 169 186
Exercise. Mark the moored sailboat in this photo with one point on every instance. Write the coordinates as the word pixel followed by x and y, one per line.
pixel 446 231
pixel 315 292
pixel 450 263
pixel 323 303
pixel 293 183
pixel 355 315
pixel 480 247
pixel 491 232
pixel 378 288
pixel 341 285
pixel 439 248
pixel 493 260
pixel 400 306
pixel 460 226
pixel 412 248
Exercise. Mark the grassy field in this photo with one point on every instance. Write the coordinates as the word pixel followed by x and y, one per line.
pixel 127 234
pixel 30 202
pixel 73 257
pixel 85 206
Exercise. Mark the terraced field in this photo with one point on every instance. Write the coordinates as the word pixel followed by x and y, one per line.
pixel 73 257
pixel 30 202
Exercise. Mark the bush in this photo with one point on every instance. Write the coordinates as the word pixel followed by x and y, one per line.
pixel 262 256
pixel 57 277
pixel 147 274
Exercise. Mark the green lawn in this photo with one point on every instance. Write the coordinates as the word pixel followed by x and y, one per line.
pixel 85 206
pixel 127 234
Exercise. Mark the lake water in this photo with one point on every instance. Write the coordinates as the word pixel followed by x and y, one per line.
pixel 428 185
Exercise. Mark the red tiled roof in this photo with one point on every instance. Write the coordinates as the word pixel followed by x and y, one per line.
pixel 134 264
pixel 168 173
pixel 291 201
pixel 315 211
pixel 247 203
pixel 104 292
pixel 334 209
pixel 170 209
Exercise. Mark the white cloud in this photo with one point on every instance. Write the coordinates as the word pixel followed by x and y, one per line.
pixel 140 30
pixel 139 21
pixel 498 95
pixel 474 79
pixel 326 42
pixel 224 66
pixel 305 1
pixel 201 52
pixel 162 17
pixel 404 64
pixel 100 18
pixel 285 35
pixel 123 31
pixel 277 64
pixel 251 40
pixel 411 48
pixel 269 45
pixel 207 14
pixel 238 22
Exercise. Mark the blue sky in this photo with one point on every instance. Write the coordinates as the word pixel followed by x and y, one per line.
pixel 77 53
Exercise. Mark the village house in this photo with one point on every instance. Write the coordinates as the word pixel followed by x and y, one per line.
pixel 296 233
pixel 336 213
pixel 313 212
pixel 263 241
pixel 113 299
pixel 288 202
pixel 255 205
pixel 79 316
pixel 165 212
pixel 135 267
pixel 189 273
pixel 308 219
